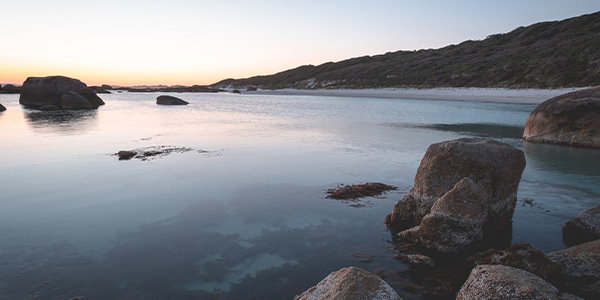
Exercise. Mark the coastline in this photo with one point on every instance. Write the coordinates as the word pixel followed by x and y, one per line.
pixel 496 95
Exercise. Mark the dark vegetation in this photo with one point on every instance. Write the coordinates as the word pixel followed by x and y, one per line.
pixel 544 55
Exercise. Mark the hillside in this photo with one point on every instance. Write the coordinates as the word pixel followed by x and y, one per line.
pixel 549 54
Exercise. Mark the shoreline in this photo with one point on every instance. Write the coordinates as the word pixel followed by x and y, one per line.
pixel 495 95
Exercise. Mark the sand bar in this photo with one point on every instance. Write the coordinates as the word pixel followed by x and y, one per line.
pixel 500 95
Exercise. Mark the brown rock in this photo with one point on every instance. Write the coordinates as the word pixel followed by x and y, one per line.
pixel 91 97
pixel 502 282
pixel 520 255
pixel 415 259
pixel 571 119
pixel 39 91
pixel 72 100
pixel 350 284
pixel 580 268
pixel 170 100
pixel 454 224
pixel 583 228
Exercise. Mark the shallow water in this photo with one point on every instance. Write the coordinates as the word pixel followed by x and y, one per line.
pixel 243 214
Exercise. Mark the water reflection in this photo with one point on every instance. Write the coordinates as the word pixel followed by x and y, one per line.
pixel 564 159
pixel 61 121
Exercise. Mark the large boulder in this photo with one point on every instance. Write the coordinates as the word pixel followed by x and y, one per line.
pixel 73 100
pixel 584 227
pixel 170 100
pixel 571 119
pixel 523 256
pixel 2 108
pixel 580 268
pixel 37 92
pixel 494 170
pixel 350 284
pixel 503 282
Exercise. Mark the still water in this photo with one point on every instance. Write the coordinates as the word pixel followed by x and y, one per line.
pixel 240 212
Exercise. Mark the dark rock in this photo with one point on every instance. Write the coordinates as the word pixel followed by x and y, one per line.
pixel 494 170
pixel 520 255
pixel 10 89
pixel 106 87
pixel 73 100
pixel 350 284
pixel 236 92
pixel 355 191
pixel 583 228
pixel 455 222
pixel 580 268
pixel 99 90
pixel 170 100
pixel 570 119
pixel 48 108
pixel 91 97
pixel 40 91
pixel 126 154
pixel 251 89
pixel 2 108
pixel 503 282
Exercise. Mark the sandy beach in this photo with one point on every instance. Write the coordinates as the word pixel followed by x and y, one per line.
pixel 500 95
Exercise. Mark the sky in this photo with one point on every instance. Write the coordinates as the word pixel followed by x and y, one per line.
pixel 190 42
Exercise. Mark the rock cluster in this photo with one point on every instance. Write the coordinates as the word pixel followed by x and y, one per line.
pixel 570 119
pixel 350 284
pixel 464 190
pixel 58 92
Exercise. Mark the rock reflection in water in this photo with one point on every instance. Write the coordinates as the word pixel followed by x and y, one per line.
pixel 61 121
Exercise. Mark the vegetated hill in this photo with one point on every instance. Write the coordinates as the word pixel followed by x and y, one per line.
pixel 549 54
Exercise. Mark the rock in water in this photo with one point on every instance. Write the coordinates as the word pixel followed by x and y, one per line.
pixel 350 284
pixel 73 100
pixel 570 119
pixel 2 108
pixel 580 268
pixel 502 282
pixel 91 97
pixel 10 89
pixel 584 227
pixel 489 173
pixel 170 100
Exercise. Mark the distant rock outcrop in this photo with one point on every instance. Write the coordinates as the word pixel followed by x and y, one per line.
pixel 464 190
pixel 38 92
pixel 569 119
pixel 350 284
pixel 10 89
pixel 584 227
pixel 503 282
pixel 170 100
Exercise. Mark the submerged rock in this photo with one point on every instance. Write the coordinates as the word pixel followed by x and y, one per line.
pixel 584 227
pixel 503 282
pixel 520 255
pixel 355 191
pixel 350 284
pixel 148 153
pixel 580 268
pixel 481 205
pixel 415 259
pixel 170 100
pixel 570 119
pixel 37 92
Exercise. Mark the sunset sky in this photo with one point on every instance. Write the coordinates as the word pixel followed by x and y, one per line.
pixel 201 42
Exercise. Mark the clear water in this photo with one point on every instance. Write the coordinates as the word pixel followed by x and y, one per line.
pixel 243 215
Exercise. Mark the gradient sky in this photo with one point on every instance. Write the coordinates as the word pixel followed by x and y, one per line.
pixel 201 42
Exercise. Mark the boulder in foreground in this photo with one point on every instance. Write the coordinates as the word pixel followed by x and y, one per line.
pixel 350 284
pixel 475 182
pixel 580 268
pixel 170 100
pixel 570 119
pixel 502 282
pixel 584 227
pixel 38 92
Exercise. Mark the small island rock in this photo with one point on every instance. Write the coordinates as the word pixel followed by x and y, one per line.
pixel 584 227
pixel 37 92
pixel 350 284
pixel 170 100
pixel 570 119
pixel 10 89
pixel 503 282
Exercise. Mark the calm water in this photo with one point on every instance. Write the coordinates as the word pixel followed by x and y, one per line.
pixel 242 213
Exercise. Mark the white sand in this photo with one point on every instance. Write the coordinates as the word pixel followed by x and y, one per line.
pixel 524 96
